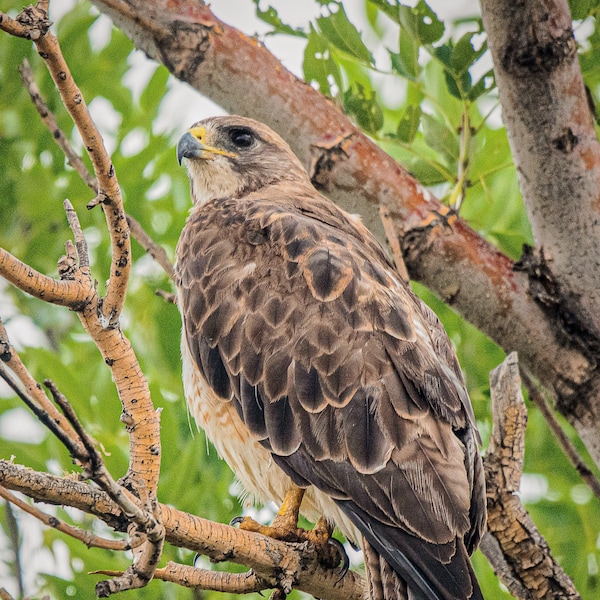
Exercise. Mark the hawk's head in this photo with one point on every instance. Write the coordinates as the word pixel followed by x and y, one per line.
pixel 233 156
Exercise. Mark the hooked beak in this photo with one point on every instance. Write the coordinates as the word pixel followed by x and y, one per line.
pixel 190 146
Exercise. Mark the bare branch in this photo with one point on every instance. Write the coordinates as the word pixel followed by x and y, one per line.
pixel 108 186
pixel 151 247
pixel 72 293
pixel 89 539
pixel 553 139
pixel 16 375
pixel 565 443
pixel 21 27
pixel 218 581
pixel 525 551
pixel 4 595
pixel 142 570
pixel 51 123
pixel 220 542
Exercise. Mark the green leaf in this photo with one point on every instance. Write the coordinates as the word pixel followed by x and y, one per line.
pixel 342 34
pixel 364 108
pixel 440 137
pixel 319 66
pixel 464 54
pixel 391 10
pixel 271 17
pixel 422 22
pixel 580 9
pixel 409 124
pixel 406 62
pixel 485 84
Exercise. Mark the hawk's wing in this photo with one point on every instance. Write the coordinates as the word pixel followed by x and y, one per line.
pixel 292 312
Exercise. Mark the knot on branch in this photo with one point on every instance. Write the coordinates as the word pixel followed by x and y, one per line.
pixel 561 305
pixel 189 42
pixel 526 54
pixel 325 156
pixel 543 285
pixel 35 20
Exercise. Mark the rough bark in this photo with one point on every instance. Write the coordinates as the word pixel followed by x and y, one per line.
pixel 440 249
pixel 557 154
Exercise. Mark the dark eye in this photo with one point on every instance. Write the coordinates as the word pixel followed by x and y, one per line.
pixel 242 138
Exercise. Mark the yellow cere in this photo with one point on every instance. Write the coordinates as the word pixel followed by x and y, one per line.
pixel 200 133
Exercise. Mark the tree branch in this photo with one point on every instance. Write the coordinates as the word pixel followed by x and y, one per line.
pixel 89 539
pixel 552 134
pixel 533 572
pixel 265 556
pixel 109 194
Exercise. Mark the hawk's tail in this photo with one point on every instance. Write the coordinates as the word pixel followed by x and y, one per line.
pixel 401 566
pixel 384 582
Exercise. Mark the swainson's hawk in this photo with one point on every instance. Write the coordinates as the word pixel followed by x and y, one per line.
pixel 308 361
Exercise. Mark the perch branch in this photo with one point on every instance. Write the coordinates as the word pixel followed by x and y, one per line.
pixel 524 549
pixel 218 581
pixel 219 542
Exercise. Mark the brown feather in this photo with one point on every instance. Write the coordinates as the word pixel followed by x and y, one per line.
pixel 293 315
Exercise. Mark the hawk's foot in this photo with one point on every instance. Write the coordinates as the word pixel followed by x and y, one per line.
pixel 285 527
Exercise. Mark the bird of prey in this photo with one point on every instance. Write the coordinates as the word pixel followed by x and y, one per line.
pixel 311 365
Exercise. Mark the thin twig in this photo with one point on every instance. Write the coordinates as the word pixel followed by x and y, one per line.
pixel 4 595
pixel 94 467
pixel 13 534
pixel 80 241
pixel 16 375
pixel 51 123
pixel 563 440
pixel 167 296
pixel 89 539
pixel 156 251
pixel 48 118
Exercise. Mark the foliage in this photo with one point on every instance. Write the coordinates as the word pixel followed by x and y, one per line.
pixel 428 101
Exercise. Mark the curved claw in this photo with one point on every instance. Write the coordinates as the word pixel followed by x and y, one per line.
pixel 236 521
pixel 345 561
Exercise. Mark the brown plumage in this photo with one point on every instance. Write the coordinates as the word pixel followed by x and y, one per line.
pixel 308 360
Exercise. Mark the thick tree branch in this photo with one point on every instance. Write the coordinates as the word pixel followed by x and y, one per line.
pixel 264 555
pixel 553 139
pixel 533 572
pixel 440 249
pixel 557 154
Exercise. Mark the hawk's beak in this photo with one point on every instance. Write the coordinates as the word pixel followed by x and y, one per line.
pixel 190 145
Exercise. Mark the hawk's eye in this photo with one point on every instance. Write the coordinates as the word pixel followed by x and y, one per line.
pixel 242 138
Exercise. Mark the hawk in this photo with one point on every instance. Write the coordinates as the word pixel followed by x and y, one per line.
pixel 311 365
